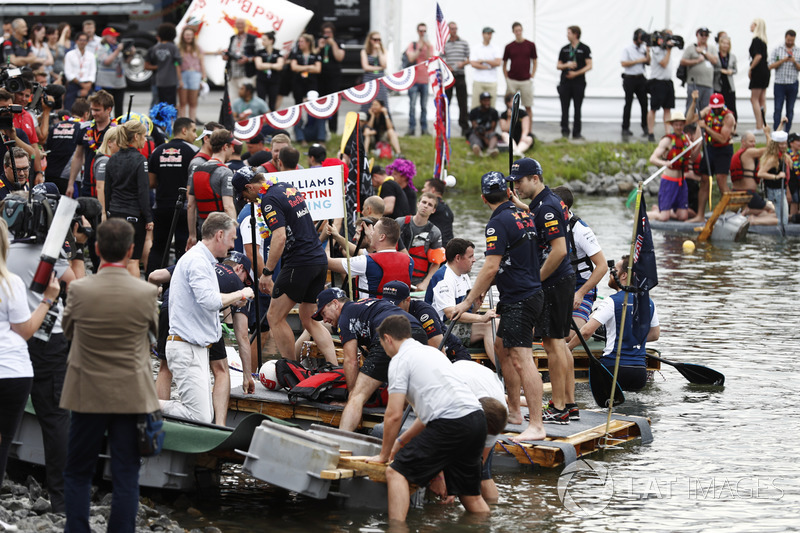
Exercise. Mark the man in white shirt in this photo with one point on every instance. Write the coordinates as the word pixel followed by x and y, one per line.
pixel 445 407
pixel 80 70
pixel 448 287
pixel 195 302
pixel 634 82
pixel 90 29
pixel 485 60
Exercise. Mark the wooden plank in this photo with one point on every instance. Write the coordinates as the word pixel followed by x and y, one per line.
pixel 338 473
pixel 731 201
pixel 299 411
pixel 374 471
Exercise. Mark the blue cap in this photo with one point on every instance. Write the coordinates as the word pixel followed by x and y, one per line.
pixel 524 167
pixel 46 188
pixel 396 291
pixel 326 297
pixel 493 181
pixel 241 178
pixel 241 259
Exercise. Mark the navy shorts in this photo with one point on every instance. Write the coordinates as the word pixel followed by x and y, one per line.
pixel 435 450
pixel 719 157
pixel 556 317
pixel 517 320
pixel 302 284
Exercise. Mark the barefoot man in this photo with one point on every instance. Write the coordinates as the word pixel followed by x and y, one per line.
pixel 512 261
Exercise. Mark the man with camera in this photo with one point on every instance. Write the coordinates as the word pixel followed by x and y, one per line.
pixel 634 58
pixel 9 131
pixel 110 69
pixel 660 87
pixel 699 61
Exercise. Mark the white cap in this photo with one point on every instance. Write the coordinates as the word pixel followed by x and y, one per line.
pixel 779 136
pixel 203 134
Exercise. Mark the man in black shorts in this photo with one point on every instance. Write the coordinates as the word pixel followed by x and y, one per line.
pixel 558 284
pixel 232 275
pixel 358 323
pixel 512 263
pixel 304 267
pixel 450 431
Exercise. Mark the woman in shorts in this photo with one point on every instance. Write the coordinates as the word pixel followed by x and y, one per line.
pixel 193 73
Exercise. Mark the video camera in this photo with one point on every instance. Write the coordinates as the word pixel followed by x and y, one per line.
pixel 29 218
pixel 662 40
pixel 127 46
pixel 12 80
pixel 7 116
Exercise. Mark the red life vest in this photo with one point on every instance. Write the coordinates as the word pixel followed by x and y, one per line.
pixel 737 173
pixel 679 144
pixel 384 267
pixel 207 200
pixel 419 253
pixel 715 122
pixel 92 179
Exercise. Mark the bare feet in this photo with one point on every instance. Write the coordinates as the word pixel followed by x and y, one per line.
pixel 515 419
pixel 532 433
pixel 698 219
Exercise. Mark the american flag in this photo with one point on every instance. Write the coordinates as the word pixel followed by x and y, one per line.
pixel 442 30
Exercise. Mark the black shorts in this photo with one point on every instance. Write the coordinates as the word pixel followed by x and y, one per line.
pixel 139 235
pixel 517 320
pixel 662 94
pixel 376 363
pixel 435 449
pixel 263 304
pixel 556 316
pixel 719 157
pixel 486 468
pixel 302 284
pixel 756 202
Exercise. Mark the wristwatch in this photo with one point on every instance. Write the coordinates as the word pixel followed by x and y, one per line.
pixel 267 272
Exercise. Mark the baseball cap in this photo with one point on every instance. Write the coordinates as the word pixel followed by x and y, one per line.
pixel 326 297
pixel 110 31
pixel 716 101
pixel 47 188
pixel 203 134
pixel 493 181
pixel 241 178
pixel 234 141
pixel 779 136
pixel 317 151
pixel 794 137
pixel 396 291
pixel 702 29
pixel 485 94
pixel 488 29
pixel 241 259
pixel 524 167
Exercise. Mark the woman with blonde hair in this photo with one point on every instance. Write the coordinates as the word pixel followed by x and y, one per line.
pixel 759 71
pixel 724 71
pixel 773 169
pixel 306 66
pixel 127 187
pixel 17 325
pixel 193 72
pixel 108 148
pixel 373 61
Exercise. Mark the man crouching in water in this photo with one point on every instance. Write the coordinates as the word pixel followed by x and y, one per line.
pixel 445 408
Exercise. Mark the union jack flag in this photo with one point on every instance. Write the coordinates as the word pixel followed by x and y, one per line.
pixel 442 30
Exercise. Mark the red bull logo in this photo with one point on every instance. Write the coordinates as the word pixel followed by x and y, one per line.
pixel 249 28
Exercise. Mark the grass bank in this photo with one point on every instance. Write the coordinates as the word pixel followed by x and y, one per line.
pixel 561 160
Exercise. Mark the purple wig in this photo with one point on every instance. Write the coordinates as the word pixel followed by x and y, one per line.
pixel 404 167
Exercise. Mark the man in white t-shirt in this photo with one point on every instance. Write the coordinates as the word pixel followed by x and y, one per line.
pixel 450 285
pixel 444 407
pixel 485 60
pixel 587 259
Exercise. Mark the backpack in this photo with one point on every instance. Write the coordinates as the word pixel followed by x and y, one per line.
pixel 328 384
pixel 682 74
pixel 289 373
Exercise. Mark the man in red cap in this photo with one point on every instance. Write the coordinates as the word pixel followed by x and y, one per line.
pixel 110 68
pixel 718 122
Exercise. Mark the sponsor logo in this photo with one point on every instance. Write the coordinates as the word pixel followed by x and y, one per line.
pixel 551 223
pixel 490 246
pixel 270 213
pixel 490 231
pixel 268 208
pixel 491 239
pixel 549 216
pixel 553 230
pixel 424 317
pixel 302 212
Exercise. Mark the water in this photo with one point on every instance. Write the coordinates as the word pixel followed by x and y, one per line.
pixel 722 458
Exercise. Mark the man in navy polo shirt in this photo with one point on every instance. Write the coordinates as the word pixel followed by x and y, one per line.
pixel 304 267
pixel 512 262
pixel 358 326
pixel 558 284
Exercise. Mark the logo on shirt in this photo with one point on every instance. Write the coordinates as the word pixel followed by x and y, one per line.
pixel 549 216
pixel 269 208
pixel 491 239
pixel 551 223
pixel 490 231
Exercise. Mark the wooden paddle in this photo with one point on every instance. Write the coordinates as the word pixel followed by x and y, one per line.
pixel 600 378
pixel 514 119
pixel 697 374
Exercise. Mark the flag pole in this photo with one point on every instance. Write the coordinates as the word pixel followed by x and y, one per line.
pixel 621 331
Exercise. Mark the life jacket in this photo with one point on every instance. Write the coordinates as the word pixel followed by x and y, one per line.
pixel 584 264
pixel 327 385
pixel 422 255
pixel 633 344
pixel 679 144
pixel 715 122
pixel 289 373
pixel 92 179
pixel 147 149
pixel 207 200
pixel 385 267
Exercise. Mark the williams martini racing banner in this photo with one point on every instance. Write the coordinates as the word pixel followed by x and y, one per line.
pixel 214 21
pixel 320 186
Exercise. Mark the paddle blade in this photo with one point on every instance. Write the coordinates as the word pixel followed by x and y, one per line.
pixel 700 375
pixel 631 198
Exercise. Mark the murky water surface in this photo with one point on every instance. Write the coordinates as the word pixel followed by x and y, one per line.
pixel 722 458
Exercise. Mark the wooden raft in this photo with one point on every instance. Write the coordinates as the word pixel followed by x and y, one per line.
pixel 585 442
pixel 731 201
pixel 300 411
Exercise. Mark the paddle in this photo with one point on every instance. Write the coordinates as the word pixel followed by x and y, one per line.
pixel 697 374
pixel 512 127
pixel 441 344
pixel 654 175
pixel 600 378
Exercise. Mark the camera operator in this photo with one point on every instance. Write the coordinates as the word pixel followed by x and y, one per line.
pixel 7 128
pixel 15 178
pixel 48 352
pixel 635 57
pixel 110 72
pixel 660 87
pixel 27 123
pixel 699 61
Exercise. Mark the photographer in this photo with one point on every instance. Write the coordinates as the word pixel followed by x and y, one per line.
pixel 699 61
pixel 7 128
pixel 110 72
pixel 635 57
pixel 660 87
pixel 14 178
